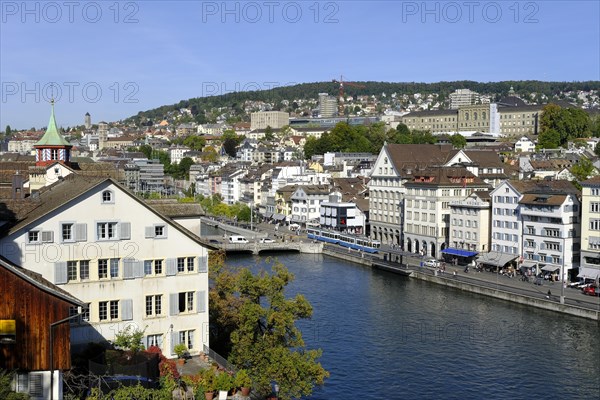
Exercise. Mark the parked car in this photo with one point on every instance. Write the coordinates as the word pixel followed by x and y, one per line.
pixel 267 240
pixel 238 239
pixel 215 241
pixel 431 262
pixel 591 290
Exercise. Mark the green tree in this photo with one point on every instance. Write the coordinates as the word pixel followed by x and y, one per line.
pixel 130 339
pixel 252 313
pixel 184 166
pixel 583 169
pixel 549 139
pixel 597 149
pixel 194 142
pixel 458 141
pixel 8 131
pixel 569 123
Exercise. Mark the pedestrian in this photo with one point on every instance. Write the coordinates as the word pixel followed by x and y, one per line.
pixel 549 294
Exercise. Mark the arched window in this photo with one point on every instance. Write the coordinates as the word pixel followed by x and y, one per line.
pixel 466 116
pixel 107 196
pixel 475 115
pixel 483 115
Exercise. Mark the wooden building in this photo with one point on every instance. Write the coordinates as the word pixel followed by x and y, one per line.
pixel 30 304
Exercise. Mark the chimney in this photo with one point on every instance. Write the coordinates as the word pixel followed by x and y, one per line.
pixel 17 187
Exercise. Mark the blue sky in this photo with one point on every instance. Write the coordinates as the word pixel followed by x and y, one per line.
pixel 113 59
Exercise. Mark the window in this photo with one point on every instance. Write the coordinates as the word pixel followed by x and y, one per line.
pixel 153 305
pixel 33 236
pixel 114 267
pixel 186 302
pixel 595 192
pixel 114 309
pixel 71 271
pixel 103 310
pixel 190 264
pixel 84 270
pixel 103 268
pixel 158 267
pixel 594 207
pixel 154 340
pixel 187 338
pixel 107 230
pixel 595 224
pixel 153 267
pixel 181 264
pixel 67 232
pixel 107 196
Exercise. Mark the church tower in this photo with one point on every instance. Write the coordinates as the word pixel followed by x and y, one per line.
pixel 52 147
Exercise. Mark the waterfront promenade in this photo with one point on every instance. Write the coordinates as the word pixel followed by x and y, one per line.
pixel 485 283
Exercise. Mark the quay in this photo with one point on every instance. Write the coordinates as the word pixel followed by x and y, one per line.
pixel 409 265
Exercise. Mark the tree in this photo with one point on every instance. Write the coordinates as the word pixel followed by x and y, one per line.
pixel 597 149
pixel 458 141
pixel 184 166
pixel 583 169
pixel 569 123
pixel 130 339
pixel 7 131
pixel 269 133
pixel 257 322
pixel 549 139
pixel 194 142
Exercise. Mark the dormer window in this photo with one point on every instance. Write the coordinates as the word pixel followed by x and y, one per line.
pixel 107 197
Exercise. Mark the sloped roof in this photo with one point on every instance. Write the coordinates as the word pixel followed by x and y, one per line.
pixel 174 209
pixel 543 199
pixel 559 186
pixel 445 176
pixel 52 137
pixel 38 281
pixel 418 155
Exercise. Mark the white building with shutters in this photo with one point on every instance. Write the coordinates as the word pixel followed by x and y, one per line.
pixel 131 264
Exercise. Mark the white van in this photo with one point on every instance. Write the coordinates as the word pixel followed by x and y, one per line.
pixel 237 239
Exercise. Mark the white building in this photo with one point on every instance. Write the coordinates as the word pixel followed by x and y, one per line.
pixel 470 222
pixel 590 229
pixel 129 263
pixel 231 187
pixel 525 145
pixel 463 97
pixel 341 216
pixel 274 119
pixel 177 153
pixel 551 226
pixel 306 202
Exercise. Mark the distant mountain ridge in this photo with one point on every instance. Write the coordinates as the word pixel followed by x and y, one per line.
pixel 235 100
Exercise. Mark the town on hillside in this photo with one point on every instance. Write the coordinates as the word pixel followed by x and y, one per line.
pixel 103 220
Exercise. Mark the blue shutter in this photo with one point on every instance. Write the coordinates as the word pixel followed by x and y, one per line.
pixel 171 266
pixel 127 309
pixel 149 232
pixel 129 268
pixel 80 232
pixel 138 269
pixel 201 299
pixel 60 272
pixel 125 230
pixel 174 304
pixel 203 264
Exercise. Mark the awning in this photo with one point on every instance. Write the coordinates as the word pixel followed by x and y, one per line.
pixel 459 252
pixel 550 268
pixel 279 217
pixel 268 215
pixel 496 258
pixel 589 273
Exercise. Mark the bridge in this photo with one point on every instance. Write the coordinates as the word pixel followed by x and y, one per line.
pixel 255 247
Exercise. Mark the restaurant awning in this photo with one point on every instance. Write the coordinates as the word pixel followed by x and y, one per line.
pixel 550 268
pixel 459 252
pixel 588 273
pixel 268 215
pixel 278 217
pixel 496 258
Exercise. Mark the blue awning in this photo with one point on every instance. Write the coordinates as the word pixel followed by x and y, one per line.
pixel 459 252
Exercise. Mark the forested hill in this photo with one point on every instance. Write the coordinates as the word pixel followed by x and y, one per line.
pixel 235 101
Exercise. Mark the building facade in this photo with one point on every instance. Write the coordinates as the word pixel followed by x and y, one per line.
pixel 274 119
pixel 590 229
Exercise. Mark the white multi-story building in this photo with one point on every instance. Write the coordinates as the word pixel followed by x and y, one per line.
pixel 463 97
pixel 129 263
pixel 341 216
pixel 551 226
pixel 590 229
pixel 177 153
pixel 231 187
pixel 470 222
pixel 306 202
pixel 274 119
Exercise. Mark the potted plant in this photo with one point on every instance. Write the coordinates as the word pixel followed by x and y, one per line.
pixel 243 381
pixel 223 382
pixel 181 351
pixel 209 383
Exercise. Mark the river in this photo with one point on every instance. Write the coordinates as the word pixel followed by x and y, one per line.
pixel 386 336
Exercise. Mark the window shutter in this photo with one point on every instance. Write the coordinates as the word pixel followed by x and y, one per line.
pixel 203 264
pixel 60 272
pixel 145 342
pixel 47 236
pixel 173 303
pixel 171 266
pixel 129 268
pixel 149 232
pixel 174 341
pixel 201 301
pixel 138 269
pixel 127 309
pixel 80 232
pixel 125 230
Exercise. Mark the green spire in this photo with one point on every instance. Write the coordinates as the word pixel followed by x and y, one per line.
pixel 52 137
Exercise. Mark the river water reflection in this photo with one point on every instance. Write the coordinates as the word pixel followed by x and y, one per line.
pixel 389 337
